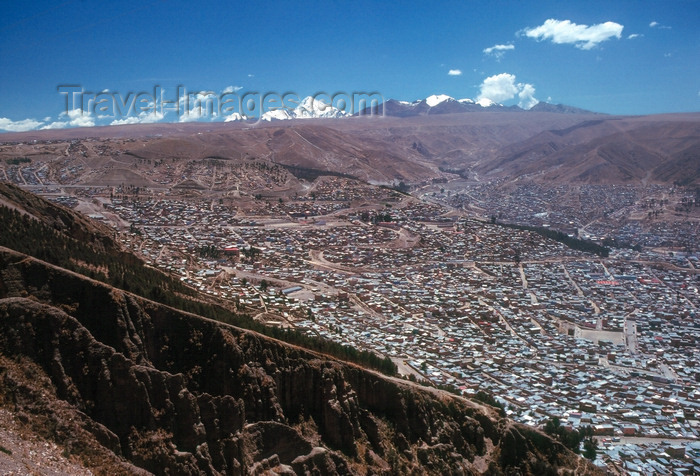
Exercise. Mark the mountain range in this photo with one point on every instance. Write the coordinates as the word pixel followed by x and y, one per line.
pixel 435 138
pixel 309 108
pixel 443 104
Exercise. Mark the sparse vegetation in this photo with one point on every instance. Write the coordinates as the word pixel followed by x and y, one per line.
pixel 310 174
pixel 375 217
pixel 590 448
pixel 18 161
pixel 489 399
pixel 402 187
pixel 209 251
pixel 573 243
pixel 97 257
pixel 251 252
pixel 572 438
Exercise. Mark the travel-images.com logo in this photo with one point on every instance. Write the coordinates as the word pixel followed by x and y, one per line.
pixel 157 105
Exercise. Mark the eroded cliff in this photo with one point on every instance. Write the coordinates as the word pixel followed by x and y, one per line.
pixel 168 392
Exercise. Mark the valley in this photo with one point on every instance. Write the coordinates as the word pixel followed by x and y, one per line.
pixel 559 291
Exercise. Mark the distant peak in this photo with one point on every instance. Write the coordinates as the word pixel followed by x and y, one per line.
pixel 485 102
pixel 444 104
pixel 559 108
pixel 436 99
pixel 235 117
pixel 309 108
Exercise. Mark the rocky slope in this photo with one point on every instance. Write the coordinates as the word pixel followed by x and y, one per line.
pixel 126 385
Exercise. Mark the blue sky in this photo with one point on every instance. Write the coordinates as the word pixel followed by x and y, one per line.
pixel 619 57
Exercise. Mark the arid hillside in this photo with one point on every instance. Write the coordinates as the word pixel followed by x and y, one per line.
pixel 551 146
pixel 656 149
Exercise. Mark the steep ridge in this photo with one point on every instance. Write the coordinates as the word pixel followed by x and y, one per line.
pixel 173 392
pixel 125 385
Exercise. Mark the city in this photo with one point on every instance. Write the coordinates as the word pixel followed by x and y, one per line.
pixel 455 298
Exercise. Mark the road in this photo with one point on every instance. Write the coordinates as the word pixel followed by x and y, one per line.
pixel 630 328
pixel 642 440
pixel 405 369
pixel 503 320
pixel 522 275
pixel 579 291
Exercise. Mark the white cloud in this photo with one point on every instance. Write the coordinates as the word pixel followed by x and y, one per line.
pixel 79 118
pixel 143 118
pixel 455 72
pixel 149 113
pixel 634 35
pixel 75 118
pixel 526 96
pixel 191 116
pixel 499 87
pixel 498 50
pixel 56 125
pixel 656 24
pixel 582 36
pixel 198 105
pixel 18 126
pixel 231 89
pixel 126 120
pixel 502 87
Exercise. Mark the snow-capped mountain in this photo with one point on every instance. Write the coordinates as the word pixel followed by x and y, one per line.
pixel 309 108
pixel 278 115
pixel 436 99
pixel 434 104
pixel 486 102
pixel 235 117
